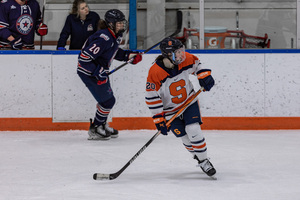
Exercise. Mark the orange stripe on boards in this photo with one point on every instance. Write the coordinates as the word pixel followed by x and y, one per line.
pixel 132 123
pixel 250 123
pixel 136 123
pixel 39 124
pixel 217 123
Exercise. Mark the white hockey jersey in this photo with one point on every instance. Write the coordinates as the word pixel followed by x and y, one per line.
pixel 167 90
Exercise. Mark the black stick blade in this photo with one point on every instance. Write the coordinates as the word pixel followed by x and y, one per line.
pixel 99 176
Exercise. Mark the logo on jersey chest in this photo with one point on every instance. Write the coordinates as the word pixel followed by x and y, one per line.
pixel 24 24
pixel 90 27
pixel 119 40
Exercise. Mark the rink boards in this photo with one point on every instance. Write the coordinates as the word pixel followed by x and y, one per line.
pixel 255 89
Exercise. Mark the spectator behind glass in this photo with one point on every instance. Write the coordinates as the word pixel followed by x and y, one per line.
pixel 19 20
pixel 80 24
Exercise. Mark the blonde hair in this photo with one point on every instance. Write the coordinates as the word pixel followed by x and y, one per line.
pixel 75 7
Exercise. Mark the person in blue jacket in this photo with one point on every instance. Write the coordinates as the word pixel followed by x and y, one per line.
pixel 94 62
pixel 80 24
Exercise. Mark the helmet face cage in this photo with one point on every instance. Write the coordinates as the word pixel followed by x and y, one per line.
pixel 112 17
pixel 178 56
pixel 173 49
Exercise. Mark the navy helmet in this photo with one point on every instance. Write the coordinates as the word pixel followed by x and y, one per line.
pixel 113 16
pixel 172 49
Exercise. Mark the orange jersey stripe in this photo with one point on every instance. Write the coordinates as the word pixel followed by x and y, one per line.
pixel 84 56
pixel 153 102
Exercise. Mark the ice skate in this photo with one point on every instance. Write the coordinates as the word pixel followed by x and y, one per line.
pixel 206 167
pixel 111 131
pixel 98 132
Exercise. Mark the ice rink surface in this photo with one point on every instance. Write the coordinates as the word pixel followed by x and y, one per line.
pixel 251 165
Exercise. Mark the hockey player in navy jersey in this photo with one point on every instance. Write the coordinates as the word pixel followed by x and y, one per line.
pixel 94 61
pixel 169 88
pixel 19 21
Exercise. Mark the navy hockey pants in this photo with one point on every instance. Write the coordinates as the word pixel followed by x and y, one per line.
pixel 103 95
pixel 189 116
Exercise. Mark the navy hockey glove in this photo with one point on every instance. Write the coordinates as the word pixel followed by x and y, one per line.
pixel 16 44
pixel 61 48
pixel 160 123
pixel 102 77
pixel 205 79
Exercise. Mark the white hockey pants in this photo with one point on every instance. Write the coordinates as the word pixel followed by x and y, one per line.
pixel 194 141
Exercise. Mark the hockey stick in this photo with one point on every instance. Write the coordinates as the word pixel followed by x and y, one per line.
pixel 178 29
pixel 43 14
pixel 100 176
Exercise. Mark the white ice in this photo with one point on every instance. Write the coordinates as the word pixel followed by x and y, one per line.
pixel 251 165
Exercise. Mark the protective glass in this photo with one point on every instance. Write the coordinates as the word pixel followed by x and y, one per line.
pixel 178 56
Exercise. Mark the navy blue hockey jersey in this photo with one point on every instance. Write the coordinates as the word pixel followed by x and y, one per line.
pixel 17 20
pixel 99 50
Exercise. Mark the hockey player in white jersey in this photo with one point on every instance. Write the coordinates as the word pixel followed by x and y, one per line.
pixel 168 88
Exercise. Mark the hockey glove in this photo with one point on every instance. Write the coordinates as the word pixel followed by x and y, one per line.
pixel 61 48
pixel 16 44
pixel 42 29
pixel 160 123
pixel 137 57
pixel 102 77
pixel 205 79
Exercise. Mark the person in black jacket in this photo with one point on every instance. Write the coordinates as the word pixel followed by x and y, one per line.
pixel 80 24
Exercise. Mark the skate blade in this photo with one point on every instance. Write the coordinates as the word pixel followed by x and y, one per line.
pixel 98 138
